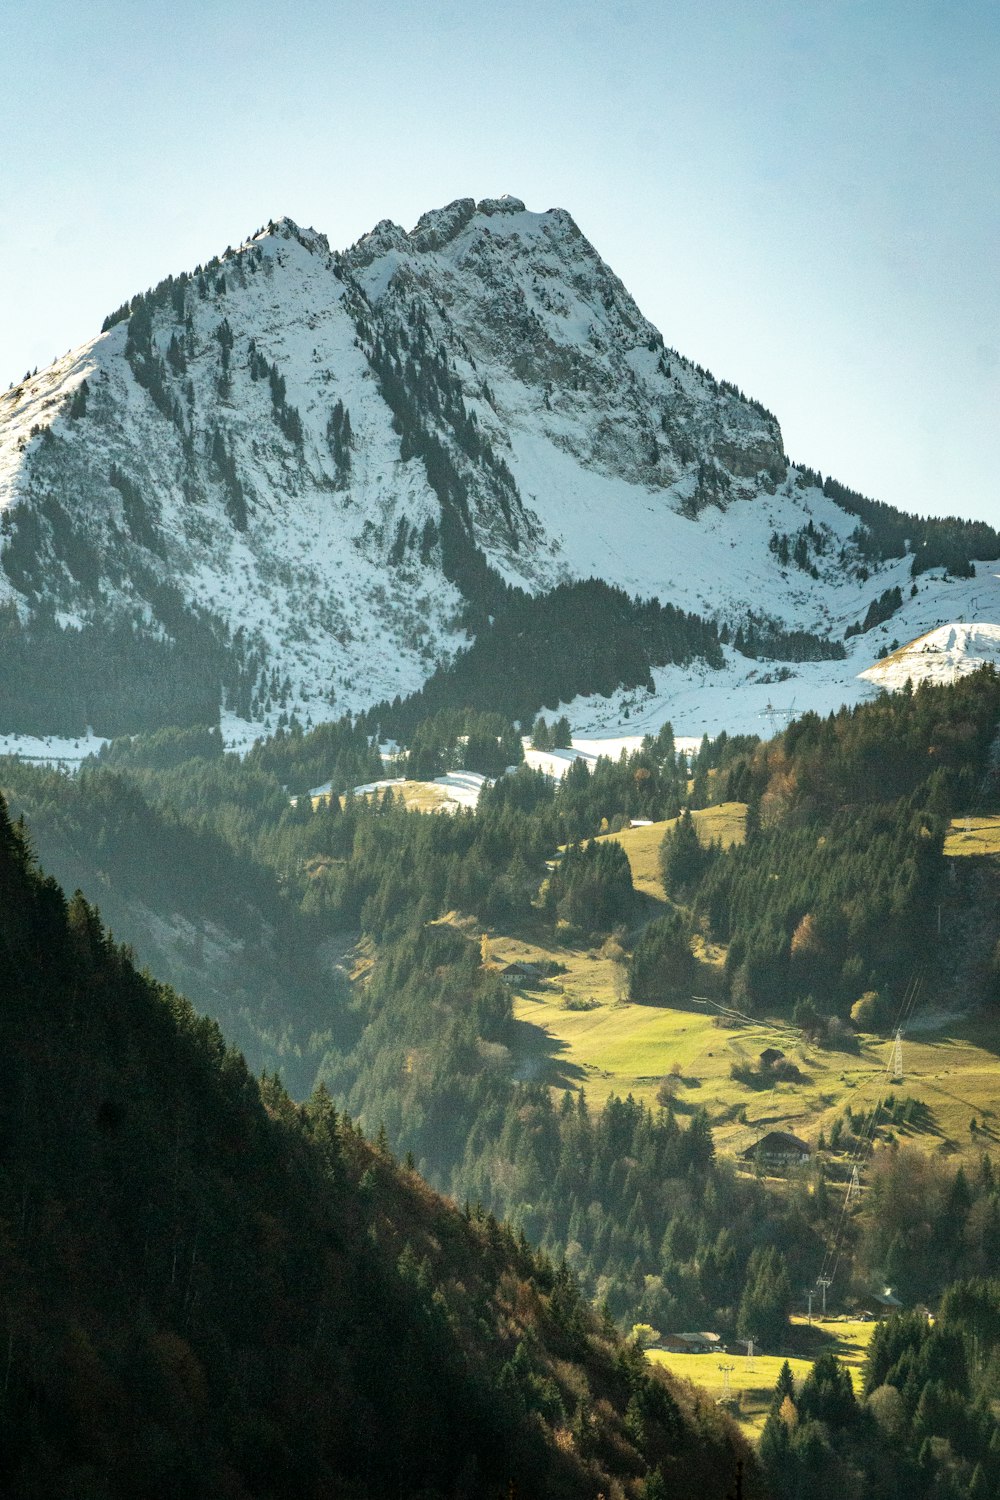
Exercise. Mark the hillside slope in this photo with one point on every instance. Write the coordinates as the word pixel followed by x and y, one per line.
pixel 209 1290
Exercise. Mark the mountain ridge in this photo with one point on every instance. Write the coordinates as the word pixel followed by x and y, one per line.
pixel 308 476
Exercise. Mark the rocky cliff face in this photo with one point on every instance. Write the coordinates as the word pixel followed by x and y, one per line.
pixel 525 301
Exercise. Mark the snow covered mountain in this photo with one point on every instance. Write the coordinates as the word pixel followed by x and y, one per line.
pixel 295 478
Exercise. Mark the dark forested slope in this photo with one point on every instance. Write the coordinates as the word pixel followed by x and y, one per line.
pixel 209 1290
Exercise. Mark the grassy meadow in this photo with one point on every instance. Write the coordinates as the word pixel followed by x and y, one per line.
pixel 578 1030
pixel 979 833
pixel 724 823
pixel 752 1382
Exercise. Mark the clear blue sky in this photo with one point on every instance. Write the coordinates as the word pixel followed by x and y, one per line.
pixel 804 197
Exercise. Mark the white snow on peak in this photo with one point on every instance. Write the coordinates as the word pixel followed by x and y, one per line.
pixel 608 455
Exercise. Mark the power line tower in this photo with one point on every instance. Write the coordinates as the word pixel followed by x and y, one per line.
pixel 772 714
pixel 810 1294
pixel 778 718
pixel 853 1188
pixel 750 1362
pixel 727 1394
pixel 897 1058
pixel 824 1282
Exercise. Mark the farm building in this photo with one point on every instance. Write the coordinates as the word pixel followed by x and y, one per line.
pixel 692 1343
pixel 883 1303
pixel 778 1148
pixel 520 970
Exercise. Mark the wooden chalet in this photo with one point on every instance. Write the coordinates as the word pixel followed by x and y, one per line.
pixel 692 1343
pixel 778 1148
pixel 882 1304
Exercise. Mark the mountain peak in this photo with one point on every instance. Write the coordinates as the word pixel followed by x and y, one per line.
pixel 286 228
pixel 506 204
pixel 434 229
pixel 440 225
pixel 387 235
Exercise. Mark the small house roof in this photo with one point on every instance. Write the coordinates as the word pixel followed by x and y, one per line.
pixel 886 1298
pixel 779 1142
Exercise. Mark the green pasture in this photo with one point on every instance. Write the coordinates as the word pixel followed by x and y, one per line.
pixel 724 823
pixel 975 834
pixel 753 1381
pixel 577 1030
